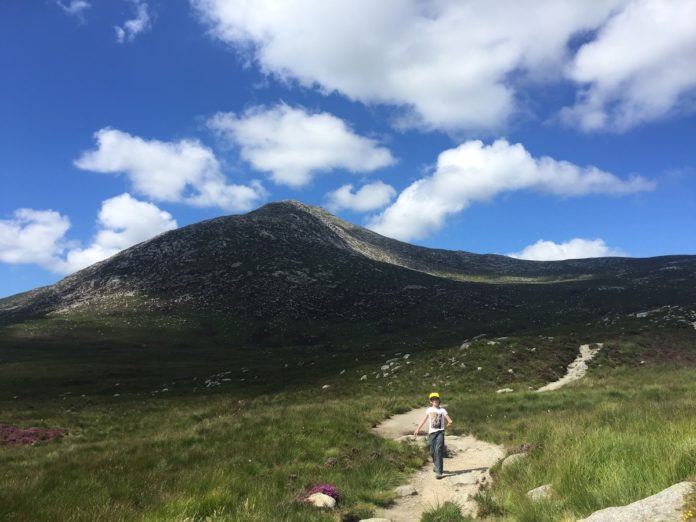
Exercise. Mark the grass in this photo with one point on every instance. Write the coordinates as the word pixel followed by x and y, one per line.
pixel 610 440
pixel 248 448
pixel 447 512
pixel 198 457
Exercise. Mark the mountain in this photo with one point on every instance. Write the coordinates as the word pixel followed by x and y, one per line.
pixel 290 262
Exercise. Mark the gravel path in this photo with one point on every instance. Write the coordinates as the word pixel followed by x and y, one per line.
pixel 577 369
pixel 465 471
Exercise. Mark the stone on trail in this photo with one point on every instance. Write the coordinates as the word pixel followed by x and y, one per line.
pixel 504 390
pixel 465 479
pixel 405 491
pixel 511 459
pixel 540 493
pixel 321 500
pixel 665 506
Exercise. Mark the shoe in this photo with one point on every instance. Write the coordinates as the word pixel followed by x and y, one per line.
pixel 438 476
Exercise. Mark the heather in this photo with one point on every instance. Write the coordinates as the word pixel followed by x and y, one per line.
pixel 10 434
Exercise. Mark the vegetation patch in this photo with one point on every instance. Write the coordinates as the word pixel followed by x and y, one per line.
pixel 10 434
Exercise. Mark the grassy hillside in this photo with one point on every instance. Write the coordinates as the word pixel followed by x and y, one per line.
pixel 172 423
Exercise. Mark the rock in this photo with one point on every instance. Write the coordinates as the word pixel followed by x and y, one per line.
pixel 321 500
pixel 326 387
pixel 405 491
pixel 511 459
pixel 504 390
pixel 478 368
pixel 541 492
pixel 463 479
pixel 665 506
pixel 363 378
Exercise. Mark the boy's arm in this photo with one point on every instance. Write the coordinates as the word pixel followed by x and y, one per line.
pixel 449 421
pixel 415 433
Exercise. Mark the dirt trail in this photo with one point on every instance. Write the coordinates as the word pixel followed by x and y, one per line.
pixel 465 470
pixel 576 370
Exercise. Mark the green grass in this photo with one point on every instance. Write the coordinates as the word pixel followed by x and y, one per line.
pixel 248 449
pixel 197 457
pixel 610 440
pixel 447 512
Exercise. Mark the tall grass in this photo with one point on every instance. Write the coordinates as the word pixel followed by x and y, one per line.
pixel 204 458
pixel 633 435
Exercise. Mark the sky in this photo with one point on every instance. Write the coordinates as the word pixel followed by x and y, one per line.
pixel 540 129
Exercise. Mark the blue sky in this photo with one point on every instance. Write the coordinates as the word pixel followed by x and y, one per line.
pixel 444 124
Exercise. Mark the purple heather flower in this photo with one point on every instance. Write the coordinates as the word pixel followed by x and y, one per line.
pixel 326 489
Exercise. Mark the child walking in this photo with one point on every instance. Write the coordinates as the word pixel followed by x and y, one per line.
pixel 436 417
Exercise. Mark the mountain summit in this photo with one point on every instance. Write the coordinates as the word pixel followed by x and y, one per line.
pixel 292 261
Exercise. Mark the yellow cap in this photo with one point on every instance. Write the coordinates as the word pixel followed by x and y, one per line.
pixel 434 395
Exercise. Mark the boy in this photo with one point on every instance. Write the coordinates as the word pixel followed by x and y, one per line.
pixel 436 417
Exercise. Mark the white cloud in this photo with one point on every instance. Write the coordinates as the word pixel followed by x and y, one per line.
pixel 574 249
pixel 447 64
pixel 477 172
pixel 184 171
pixel 76 8
pixel 33 236
pixel 370 197
pixel 294 145
pixel 38 236
pixel 460 65
pixel 124 221
pixel 133 27
pixel 641 66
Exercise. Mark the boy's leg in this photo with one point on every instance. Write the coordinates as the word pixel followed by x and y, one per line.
pixel 438 443
pixel 431 445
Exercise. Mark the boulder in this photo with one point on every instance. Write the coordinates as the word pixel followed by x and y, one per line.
pixel 665 506
pixel 321 500
pixel 511 459
pixel 540 493
pixel 405 491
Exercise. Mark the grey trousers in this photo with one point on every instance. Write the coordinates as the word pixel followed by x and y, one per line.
pixel 436 443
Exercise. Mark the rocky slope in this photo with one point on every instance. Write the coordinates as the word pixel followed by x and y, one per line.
pixel 300 262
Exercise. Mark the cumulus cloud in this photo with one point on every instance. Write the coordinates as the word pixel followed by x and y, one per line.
pixel 140 23
pixel 574 249
pixel 640 67
pixel 370 197
pixel 448 65
pixel 461 65
pixel 38 236
pixel 293 145
pixel 123 222
pixel 477 172
pixel 184 171
pixel 33 236
pixel 76 8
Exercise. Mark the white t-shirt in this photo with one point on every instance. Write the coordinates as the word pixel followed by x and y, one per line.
pixel 436 419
